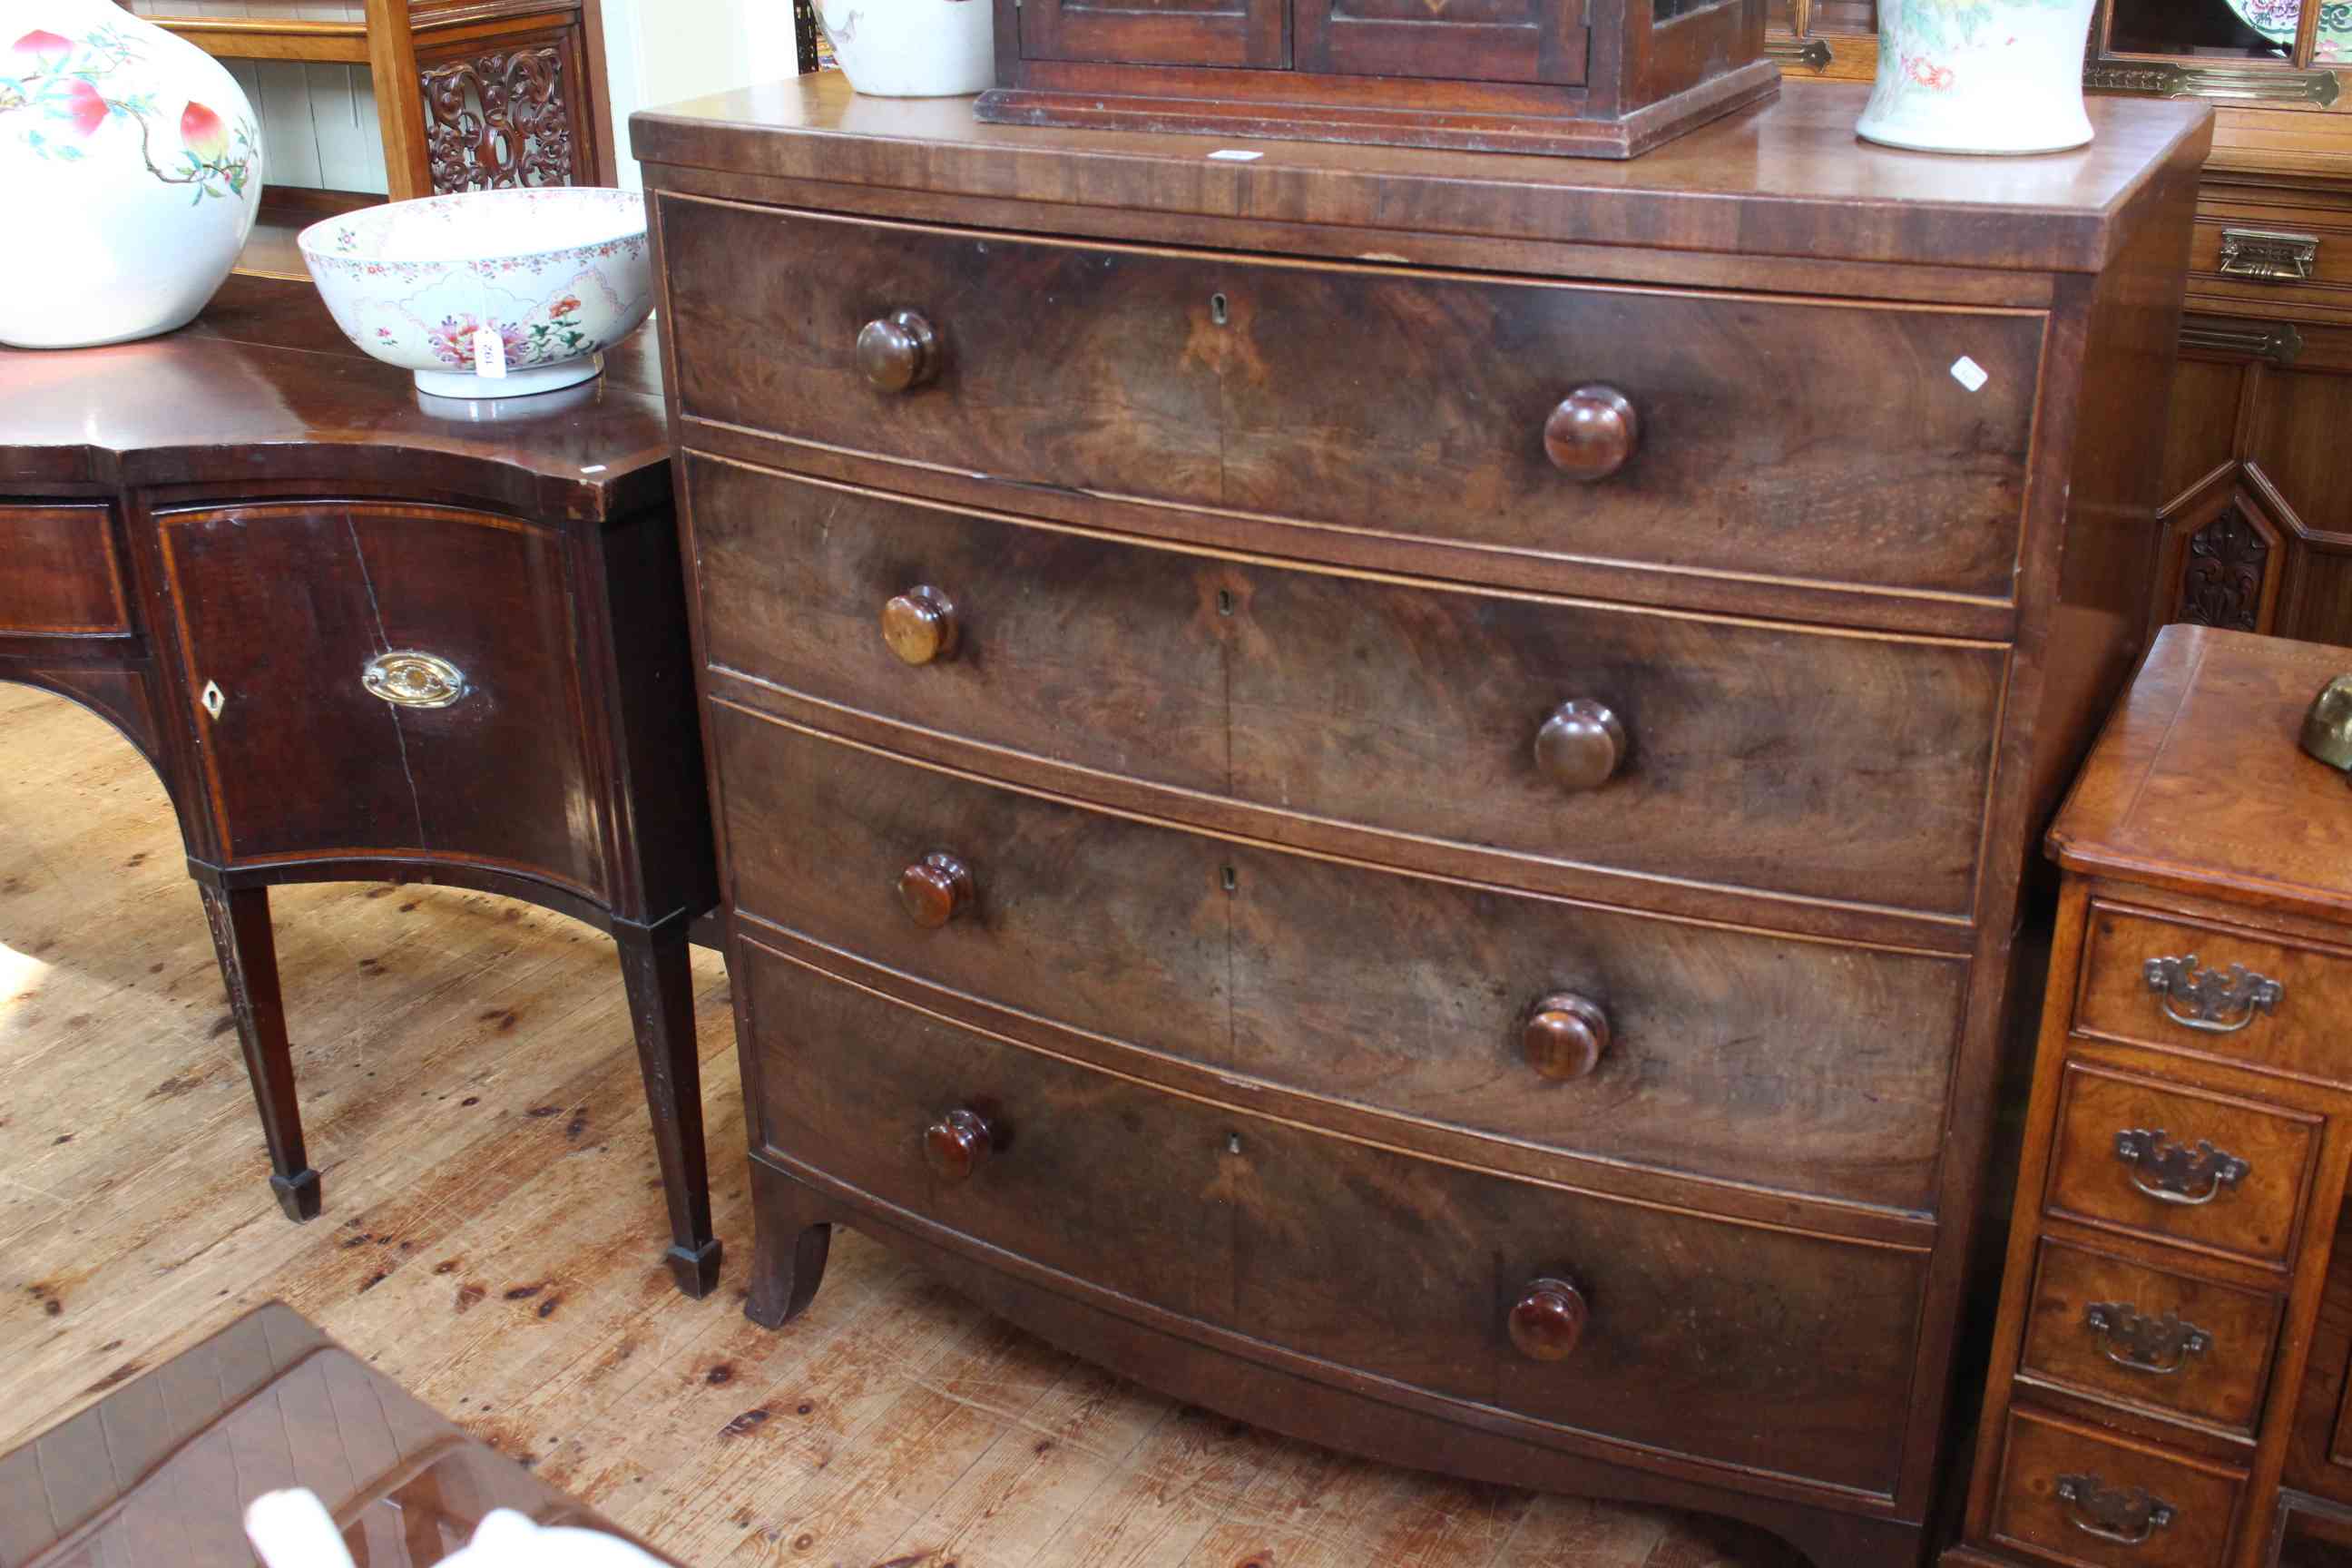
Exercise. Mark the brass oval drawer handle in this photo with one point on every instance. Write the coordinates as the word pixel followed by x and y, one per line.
pixel 935 889
pixel 1548 1319
pixel 2131 1338
pixel 1580 746
pixel 407 678
pixel 899 352
pixel 2218 1001
pixel 1593 433
pixel 2125 1515
pixel 920 625
pixel 957 1144
pixel 1564 1037
pixel 2178 1173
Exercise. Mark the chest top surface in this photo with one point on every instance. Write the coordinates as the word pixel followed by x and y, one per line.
pixel 2199 782
pixel 1787 177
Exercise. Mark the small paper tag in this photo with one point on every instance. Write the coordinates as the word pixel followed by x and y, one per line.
pixel 1235 155
pixel 1970 373
pixel 490 354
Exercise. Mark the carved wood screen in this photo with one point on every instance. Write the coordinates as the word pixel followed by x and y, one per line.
pixel 513 109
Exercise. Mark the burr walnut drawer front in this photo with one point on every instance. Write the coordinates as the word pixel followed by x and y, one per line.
pixel 379 677
pixel 2123 1331
pixel 2179 1164
pixel 2079 1495
pixel 62 574
pixel 1721 433
pixel 1742 1346
pixel 1786 1063
pixel 2156 980
pixel 1729 752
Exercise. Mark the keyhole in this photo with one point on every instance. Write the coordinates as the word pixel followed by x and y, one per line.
pixel 1218 311
pixel 1227 879
pixel 1232 1142
pixel 1225 601
pixel 214 700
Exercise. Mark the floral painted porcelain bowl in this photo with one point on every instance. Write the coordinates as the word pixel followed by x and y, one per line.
pixel 488 293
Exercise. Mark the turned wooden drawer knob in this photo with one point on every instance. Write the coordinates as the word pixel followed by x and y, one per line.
pixel 1565 1036
pixel 920 624
pixel 957 1144
pixel 1593 433
pixel 934 889
pixel 898 351
pixel 1581 746
pixel 1547 1320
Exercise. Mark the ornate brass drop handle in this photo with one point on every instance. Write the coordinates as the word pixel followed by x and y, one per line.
pixel 2125 1515
pixel 2178 1173
pixel 407 678
pixel 2130 1338
pixel 2218 1001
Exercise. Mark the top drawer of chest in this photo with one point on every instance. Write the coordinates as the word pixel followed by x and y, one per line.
pixel 1534 423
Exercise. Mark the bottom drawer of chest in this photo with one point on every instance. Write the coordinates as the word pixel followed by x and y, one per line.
pixel 1627 1323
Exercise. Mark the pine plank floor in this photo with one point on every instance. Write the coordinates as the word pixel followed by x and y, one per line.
pixel 491 1237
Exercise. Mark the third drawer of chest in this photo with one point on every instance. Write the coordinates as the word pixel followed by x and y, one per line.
pixel 1777 437
pixel 1802 1066
pixel 1578 740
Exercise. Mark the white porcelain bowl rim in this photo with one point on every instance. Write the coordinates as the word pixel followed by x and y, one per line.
pixel 449 231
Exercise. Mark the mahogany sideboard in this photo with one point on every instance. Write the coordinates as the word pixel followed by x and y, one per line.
pixel 2172 1372
pixel 1392 789
pixel 363 637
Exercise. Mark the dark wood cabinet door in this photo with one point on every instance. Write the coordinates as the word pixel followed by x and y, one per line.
pixel 1157 32
pixel 319 641
pixel 1468 40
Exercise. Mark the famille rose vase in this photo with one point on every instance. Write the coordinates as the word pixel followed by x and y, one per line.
pixel 1980 76
pixel 132 172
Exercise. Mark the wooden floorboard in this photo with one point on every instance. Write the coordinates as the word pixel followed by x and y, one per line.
pixel 492 1239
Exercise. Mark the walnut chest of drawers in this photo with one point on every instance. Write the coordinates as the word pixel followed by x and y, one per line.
pixel 2172 1372
pixel 1390 789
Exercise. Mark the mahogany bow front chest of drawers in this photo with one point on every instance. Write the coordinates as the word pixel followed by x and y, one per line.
pixel 1390 789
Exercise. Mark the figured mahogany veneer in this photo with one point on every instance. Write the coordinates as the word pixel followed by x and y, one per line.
pixel 1390 790
pixel 2187 1149
pixel 364 636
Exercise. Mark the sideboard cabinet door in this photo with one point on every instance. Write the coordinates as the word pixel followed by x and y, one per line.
pixel 370 678
pixel 1250 33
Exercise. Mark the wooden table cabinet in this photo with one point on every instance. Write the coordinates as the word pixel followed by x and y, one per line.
pixel 363 635
pixel 2172 1369
pixel 1390 789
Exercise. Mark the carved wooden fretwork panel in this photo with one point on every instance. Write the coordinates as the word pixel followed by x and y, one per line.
pixel 2222 585
pixel 502 119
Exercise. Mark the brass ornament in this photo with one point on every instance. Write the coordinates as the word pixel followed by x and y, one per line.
pixel 2327 726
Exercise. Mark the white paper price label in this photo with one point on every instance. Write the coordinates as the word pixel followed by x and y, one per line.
pixel 490 353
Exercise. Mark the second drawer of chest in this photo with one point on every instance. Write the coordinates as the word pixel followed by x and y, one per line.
pixel 1797 1065
pixel 1741 1344
pixel 1726 752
